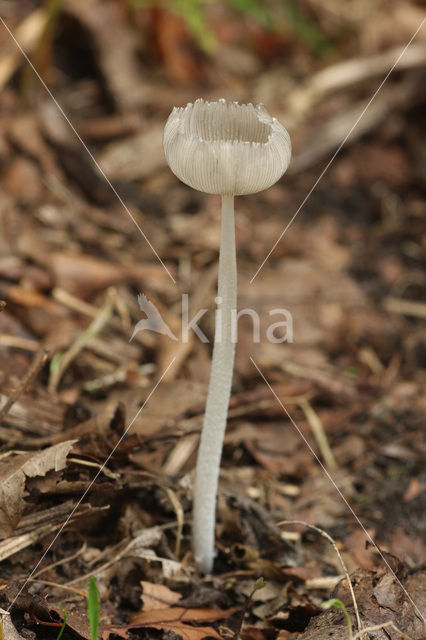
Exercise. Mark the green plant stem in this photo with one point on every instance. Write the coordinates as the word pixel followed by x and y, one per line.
pixel 64 624
pixel 338 604
pixel 213 431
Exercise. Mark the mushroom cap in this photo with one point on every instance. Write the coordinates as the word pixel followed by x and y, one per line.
pixel 226 148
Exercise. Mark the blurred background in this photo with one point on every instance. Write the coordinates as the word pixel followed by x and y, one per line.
pixel 116 68
pixel 76 194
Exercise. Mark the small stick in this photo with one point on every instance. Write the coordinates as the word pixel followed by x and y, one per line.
pixel 86 463
pixel 259 584
pixel 57 585
pixel 74 303
pixel 95 327
pixel 405 307
pixel 58 563
pixel 38 361
pixel 16 342
pixel 324 534
pixel 378 627
pixel 319 434
pixel 179 519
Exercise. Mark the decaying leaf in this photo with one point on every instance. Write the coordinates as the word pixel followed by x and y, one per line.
pixel 7 629
pixel 178 619
pixel 341 291
pixel 13 471
pixel 76 620
pixel 155 596
pixel 382 598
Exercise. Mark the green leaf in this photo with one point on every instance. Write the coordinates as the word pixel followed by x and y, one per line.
pixel 259 584
pixel 93 608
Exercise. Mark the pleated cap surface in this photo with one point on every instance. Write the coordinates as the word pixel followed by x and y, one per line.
pixel 226 148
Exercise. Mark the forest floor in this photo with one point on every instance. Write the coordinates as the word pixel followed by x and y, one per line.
pixel 99 434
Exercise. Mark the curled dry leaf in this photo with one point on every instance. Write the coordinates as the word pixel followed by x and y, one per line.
pixel 13 471
pixel 7 629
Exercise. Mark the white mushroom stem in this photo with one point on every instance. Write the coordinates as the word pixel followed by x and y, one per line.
pixel 223 148
pixel 212 435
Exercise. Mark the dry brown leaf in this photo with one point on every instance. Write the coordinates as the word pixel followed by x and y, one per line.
pixel 7 629
pixel 407 545
pixel 76 620
pixel 171 401
pixel 318 311
pixel 381 599
pixel 83 274
pixel 13 471
pixel 134 158
pixel 176 619
pixel 156 596
pixel 361 554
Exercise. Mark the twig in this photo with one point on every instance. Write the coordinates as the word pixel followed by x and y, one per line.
pixel 86 463
pixel 16 342
pixel 120 324
pixel 179 518
pixel 38 361
pixel 28 33
pixel 57 585
pixel 74 303
pixel 324 534
pixel 259 584
pixel 319 434
pixel 405 307
pixel 348 73
pixel 58 563
pixel 378 627
pixel 93 329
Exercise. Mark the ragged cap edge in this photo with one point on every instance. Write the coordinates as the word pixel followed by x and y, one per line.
pixel 231 166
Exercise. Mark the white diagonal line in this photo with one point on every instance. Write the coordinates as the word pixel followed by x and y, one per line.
pixel 323 172
pixel 337 489
pixel 86 148
pixel 91 483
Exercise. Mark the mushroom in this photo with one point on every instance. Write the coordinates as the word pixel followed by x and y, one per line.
pixel 227 149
